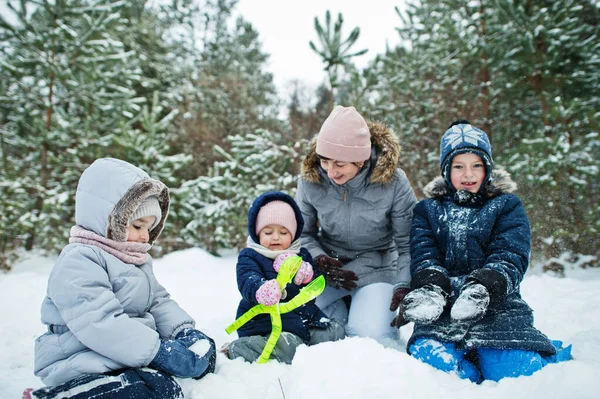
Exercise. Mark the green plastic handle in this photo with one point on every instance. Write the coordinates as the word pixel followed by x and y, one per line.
pixel 288 270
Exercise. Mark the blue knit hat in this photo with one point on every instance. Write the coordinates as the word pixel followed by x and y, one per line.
pixel 462 137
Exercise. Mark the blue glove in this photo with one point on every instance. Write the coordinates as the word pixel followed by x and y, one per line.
pixel 190 336
pixel 176 359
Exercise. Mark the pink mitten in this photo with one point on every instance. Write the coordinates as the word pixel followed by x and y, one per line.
pixel 305 274
pixel 269 293
pixel 278 261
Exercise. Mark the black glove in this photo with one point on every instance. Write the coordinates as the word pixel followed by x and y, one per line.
pixel 425 304
pixel 397 298
pixel 334 274
pixel 472 302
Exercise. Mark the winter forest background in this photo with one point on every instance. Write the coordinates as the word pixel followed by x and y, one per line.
pixel 181 89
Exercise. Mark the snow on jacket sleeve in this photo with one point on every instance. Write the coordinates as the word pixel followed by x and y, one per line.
pixel 170 318
pixel 309 237
pixel 249 276
pixel 427 264
pixel 401 215
pixel 80 289
pixel 508 251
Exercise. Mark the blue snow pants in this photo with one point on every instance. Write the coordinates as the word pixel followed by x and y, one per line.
pixel 488 363
pixel 130 384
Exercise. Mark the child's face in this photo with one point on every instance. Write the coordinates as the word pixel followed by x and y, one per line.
pixel 138 230
pixel 467 172
pixel 340 172
pixel 275 237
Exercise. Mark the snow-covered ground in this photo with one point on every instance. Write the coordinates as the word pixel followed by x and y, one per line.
pixel 565 308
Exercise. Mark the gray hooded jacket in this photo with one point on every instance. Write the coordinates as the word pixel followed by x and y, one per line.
pixel 104 314
pixel 365 222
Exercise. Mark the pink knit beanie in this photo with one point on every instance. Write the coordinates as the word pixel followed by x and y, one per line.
pixel 344 136
pixel 277 212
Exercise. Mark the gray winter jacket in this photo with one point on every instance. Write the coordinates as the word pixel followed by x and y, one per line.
pixel 365 222
pixel 103 314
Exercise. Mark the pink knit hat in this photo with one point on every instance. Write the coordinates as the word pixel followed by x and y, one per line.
pixel 344 136
pixel 276 212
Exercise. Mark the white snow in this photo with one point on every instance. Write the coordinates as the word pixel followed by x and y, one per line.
pixel 565 308
pixel 200 347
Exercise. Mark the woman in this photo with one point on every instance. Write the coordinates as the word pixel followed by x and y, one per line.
pixel 357 207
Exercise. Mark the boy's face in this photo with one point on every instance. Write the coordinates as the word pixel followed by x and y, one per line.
pixel 139 229
pixel 467 172
pixel 275 237
pixel 340 172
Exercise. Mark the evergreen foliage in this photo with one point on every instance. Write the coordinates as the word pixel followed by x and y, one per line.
pixel 334 51
pixel 182 90
pixel 527 73
pixel 217 205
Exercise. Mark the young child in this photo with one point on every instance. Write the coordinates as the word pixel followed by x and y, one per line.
pixel 107 316
pixel 275 225
pixel 470 246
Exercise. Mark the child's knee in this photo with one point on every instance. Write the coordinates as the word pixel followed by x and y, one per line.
pixel 441 355
pixel 496 364
pixel 333 332
pixel 445 357
pixel 250 348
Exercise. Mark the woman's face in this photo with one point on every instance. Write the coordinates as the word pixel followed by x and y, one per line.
pixel 340 172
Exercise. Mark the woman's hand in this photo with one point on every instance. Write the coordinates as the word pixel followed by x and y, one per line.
pixel 397 299
pixel 334 274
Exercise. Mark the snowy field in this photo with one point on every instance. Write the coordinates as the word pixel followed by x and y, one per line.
pixel 565 308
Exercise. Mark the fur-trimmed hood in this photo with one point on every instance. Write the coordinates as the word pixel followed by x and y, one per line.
pixel 387 150
pixel 500 183
pixel 109 192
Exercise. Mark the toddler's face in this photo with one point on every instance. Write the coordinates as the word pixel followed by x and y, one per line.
pixel 467 172
pixel 275 237
pixel 139 229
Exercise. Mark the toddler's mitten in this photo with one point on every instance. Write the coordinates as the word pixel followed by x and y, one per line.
pixel 471 304
pixel 304 274
pixel 175 359
pixel 397 299
pixel 269 293
pixel 424 305
pixel 190 336
pixel 278 261
pixel 335 274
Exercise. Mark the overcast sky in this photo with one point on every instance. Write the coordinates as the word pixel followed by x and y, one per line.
pixel 286 27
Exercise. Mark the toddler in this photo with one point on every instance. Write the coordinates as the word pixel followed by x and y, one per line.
pixel 113 330
pixel 275 225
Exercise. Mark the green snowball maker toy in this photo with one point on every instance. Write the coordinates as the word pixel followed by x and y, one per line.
pixel 288 270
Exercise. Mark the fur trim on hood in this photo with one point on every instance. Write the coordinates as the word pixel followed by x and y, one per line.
pixel 118 220
pixel 387 148
pixel 500 183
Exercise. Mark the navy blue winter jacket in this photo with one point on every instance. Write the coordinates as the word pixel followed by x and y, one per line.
pixel 254 269
pixel 487 242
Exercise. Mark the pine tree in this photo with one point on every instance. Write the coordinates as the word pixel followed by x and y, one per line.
pixel 333 50
pixel 550 81
pixel 231 92
pixel 67 87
